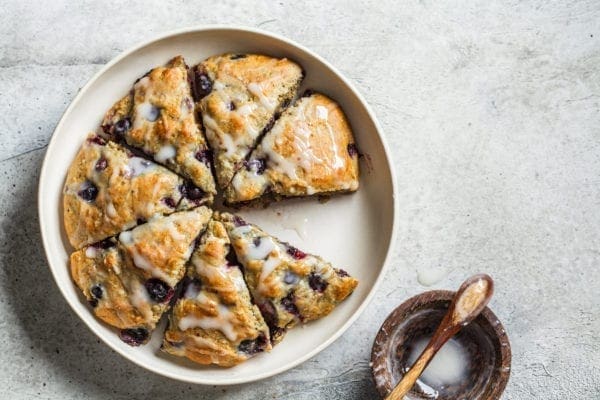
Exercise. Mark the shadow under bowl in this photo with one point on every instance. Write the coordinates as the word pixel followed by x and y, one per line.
pixel 483 343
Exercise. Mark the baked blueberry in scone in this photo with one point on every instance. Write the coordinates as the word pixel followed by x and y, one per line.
pixel 214 320
pixel 239 96
pixel 310 150
pixel 130 280
pixel 108 190
pixel 158 118
pixel 288 285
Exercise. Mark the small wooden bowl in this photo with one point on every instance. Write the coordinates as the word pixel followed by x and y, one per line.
pixel 484 340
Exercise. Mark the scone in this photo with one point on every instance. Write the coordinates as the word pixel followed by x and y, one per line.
pixel 109 190
pixel 129 281
pixel 288 285
pixel 310 150
pixel 214 321
pixel 239 96
pixel 158 118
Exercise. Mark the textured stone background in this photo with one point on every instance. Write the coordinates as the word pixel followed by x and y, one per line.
pixel 492 113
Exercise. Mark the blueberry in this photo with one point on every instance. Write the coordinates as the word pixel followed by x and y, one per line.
pixel 97 139
pixel 237 56
pixel 158 290
pixel 231 106
pixel 256 241
pixel 134 336
pixel 101 164
pixel 294 252
pixel 88 191
pixel 288 304
pixel 258 165
pixel 290 278
pixel 238 221
pixel 253 346
pixel 169 202
pixel 341 273
pixel 204 156
pixel 191 192
pixel 317 283
pixel 105 244
pixel 96 291
pixel 352 149
pixel 121 127
pixel 202 85
pixel 93 303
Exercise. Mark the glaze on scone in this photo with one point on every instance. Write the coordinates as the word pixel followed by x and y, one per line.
pixel 158 118
pixel 310 150
pixel 214 321
pixel 239 96
pixel 130 281
pixel 288 285
pixel 108 190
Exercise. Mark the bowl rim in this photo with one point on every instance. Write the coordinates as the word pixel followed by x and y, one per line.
pixel 420 302
pixel 241 29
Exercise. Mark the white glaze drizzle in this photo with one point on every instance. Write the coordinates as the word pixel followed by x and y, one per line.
pixel 257 91
pixel 264 248
pixel 91 252
pixel 222 322
pixel 140 300
pixel 137 166
pixel 165 153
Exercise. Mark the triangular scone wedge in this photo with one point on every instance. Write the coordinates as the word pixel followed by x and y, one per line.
pixel 310 150
pixel 288 285
pixel 109 190
pixel 158 118
pixel 239 96
pixel 130 281
pixel 214 321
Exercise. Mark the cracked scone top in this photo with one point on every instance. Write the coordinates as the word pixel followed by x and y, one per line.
pixel 214 320
pixel 288 285
pixel 108 190
pixel 239 95
pixel 310 150
pixel 129 281
pixel 158 117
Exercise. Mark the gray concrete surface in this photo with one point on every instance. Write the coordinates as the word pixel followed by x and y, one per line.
pixel 492 113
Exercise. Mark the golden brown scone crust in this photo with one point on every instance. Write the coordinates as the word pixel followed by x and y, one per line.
pixel 161 122
pixel 214 321
pixel 247 92
pixel 130 281
pixel 310 150
pixel 121 189
pixel 288 285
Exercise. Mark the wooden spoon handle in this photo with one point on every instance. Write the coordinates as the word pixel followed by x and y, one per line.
pixel 409 379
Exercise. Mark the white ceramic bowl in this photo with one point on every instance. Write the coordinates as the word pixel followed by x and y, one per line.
pixel 354 231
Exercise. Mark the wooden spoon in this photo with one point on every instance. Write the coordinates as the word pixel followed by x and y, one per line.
pixel 470 299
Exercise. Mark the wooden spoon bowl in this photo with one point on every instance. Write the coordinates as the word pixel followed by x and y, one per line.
pixel 484 340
